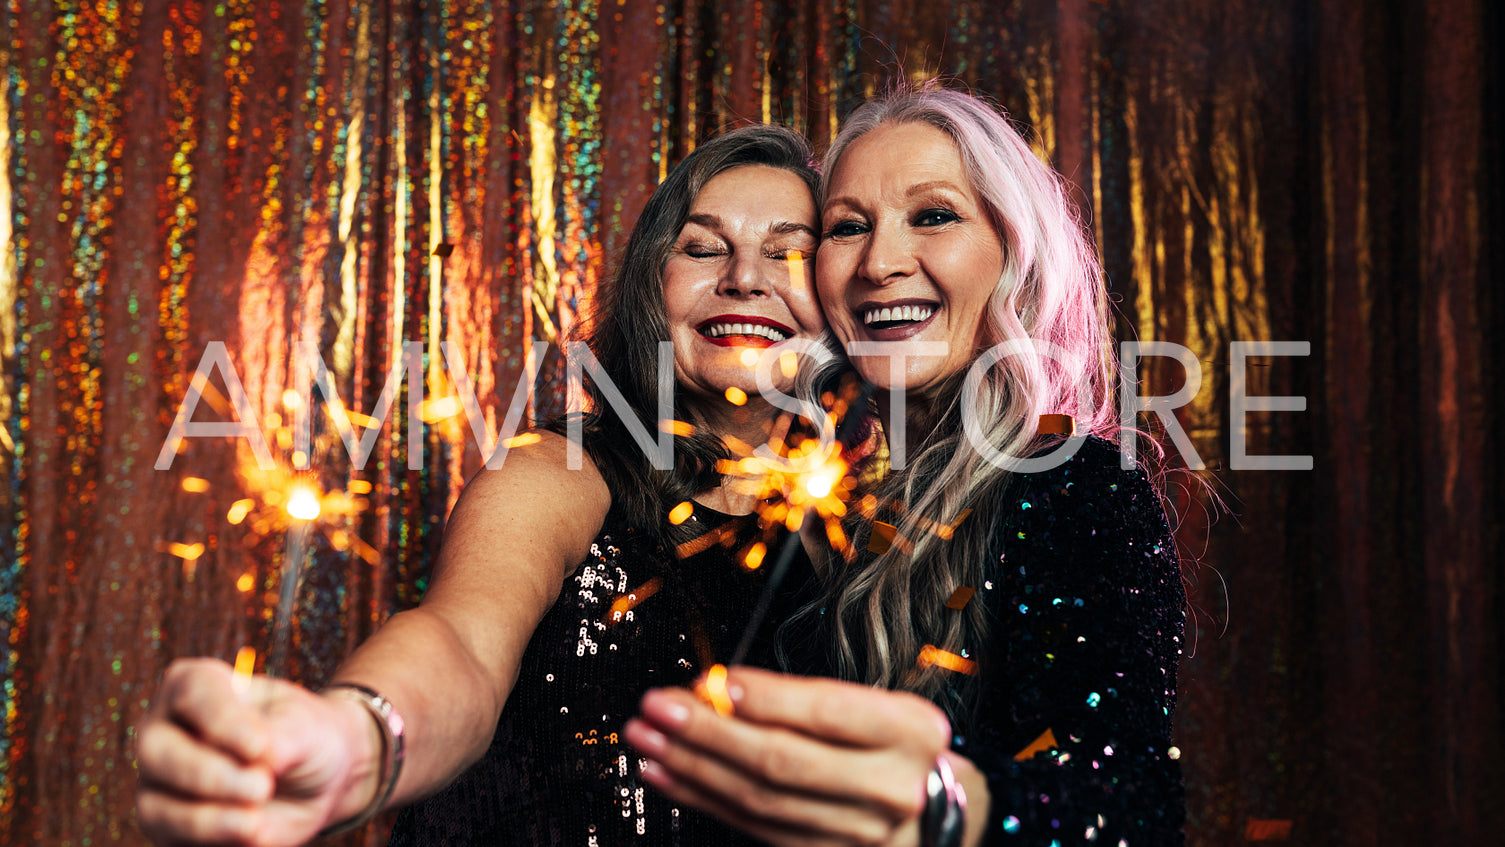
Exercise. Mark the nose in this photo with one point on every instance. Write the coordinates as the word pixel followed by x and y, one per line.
pixel 745 275
pixel 886 257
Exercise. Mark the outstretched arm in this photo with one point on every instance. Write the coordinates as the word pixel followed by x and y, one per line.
pixel 273 763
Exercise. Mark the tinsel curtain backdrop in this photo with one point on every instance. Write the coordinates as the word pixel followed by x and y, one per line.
pixel 255 173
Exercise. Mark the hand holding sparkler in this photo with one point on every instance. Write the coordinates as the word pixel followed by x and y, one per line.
pixel 802 760
pixel 227 758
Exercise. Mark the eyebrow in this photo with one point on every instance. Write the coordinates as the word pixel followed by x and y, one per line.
pixel 779 228
pixel 922 187
pixel 917 188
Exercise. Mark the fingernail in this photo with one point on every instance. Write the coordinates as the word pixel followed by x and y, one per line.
pixel 646 738
pixel 654 772
pixel 665 710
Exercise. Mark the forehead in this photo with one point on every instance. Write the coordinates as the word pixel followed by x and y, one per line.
pixel 894 158
pixel 750 192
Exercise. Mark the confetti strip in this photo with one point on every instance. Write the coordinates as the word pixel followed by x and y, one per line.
pixel 1057 425
pixel 1046 741
pixel 930 655
pixel 960 597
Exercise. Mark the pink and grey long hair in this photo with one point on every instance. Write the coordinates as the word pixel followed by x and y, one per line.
pixel 1051 304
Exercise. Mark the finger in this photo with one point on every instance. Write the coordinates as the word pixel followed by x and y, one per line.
pixel 168 820
pixel 170 759
pixel 200 695
pixel 746 799
pixel 771 832
pixel 839 712
pixel 889 778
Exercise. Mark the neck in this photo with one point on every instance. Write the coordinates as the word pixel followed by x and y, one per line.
pixel 749 424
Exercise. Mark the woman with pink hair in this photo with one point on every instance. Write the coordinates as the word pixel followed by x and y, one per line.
pixel 1004 630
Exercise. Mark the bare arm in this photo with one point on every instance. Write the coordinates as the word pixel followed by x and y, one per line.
pixel 277 765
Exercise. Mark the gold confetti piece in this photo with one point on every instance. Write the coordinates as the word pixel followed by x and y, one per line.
pixel 754 556
pixel 677 428
pixel 239 509
pixel 789 364
pixel 713 690
pixel 1057 425
pixel 1046 741
pixel 681 513
pixel 359 486
pixel 932 655
pixel 195 485
pixel 624 604
pixel 443 250
pixel 244 585
pixel 886 535
pixel 735 395
pixel 960 597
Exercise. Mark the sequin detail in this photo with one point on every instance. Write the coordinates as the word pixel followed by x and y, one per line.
pixel 1095 663
pixel 558 770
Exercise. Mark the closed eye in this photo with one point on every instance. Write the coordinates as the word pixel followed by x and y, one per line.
pixel 703 251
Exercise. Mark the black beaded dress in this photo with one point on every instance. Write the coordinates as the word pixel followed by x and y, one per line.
pixel 1086 611
pixel 633 616
pixel 1086 615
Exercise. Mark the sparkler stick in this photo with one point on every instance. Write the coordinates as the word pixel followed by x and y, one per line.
pixel 791 541
pixel 303 508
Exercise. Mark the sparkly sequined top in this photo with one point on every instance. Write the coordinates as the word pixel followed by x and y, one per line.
pixel 1086 612
pixel 630 618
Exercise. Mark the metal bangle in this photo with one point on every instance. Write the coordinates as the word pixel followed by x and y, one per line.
pixel 944 821
pixel 390 723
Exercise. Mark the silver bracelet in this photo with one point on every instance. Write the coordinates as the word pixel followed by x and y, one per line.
pixel 390 723
pixel 944 821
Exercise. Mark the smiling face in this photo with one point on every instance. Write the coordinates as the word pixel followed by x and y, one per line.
pixel 729 282
pixel 908 253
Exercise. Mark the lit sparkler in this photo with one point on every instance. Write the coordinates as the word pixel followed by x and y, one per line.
pixel 807 479
pixel 303 507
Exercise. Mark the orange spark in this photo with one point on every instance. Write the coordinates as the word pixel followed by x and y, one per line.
pixel 681 513
pixel 195 485
pixel 239 509
pixel 735 395
pixel 713 690
pixel 523 440
pixel 676 428
pixel 796 262
pixel 624 604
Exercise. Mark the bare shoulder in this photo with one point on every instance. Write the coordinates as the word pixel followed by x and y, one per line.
pixel 538 511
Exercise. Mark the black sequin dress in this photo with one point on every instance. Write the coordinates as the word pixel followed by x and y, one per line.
pixel 632 617
pixel 1086 612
